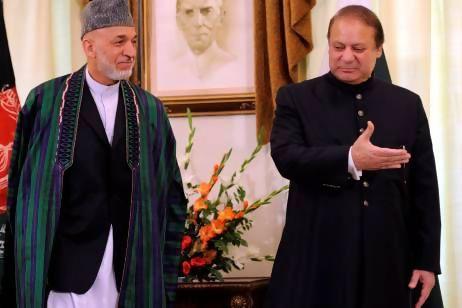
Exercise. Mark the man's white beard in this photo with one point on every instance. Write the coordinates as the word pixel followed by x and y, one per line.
pixel 110 71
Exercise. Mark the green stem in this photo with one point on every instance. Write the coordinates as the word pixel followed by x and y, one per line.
pixel 192 131
pixel 265 200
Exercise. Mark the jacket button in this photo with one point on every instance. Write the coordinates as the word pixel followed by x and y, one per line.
pixel 365 203
pixel 365 184
pixel 359 96
pixel 360 113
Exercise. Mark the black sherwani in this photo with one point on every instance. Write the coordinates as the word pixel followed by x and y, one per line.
pixel 348 243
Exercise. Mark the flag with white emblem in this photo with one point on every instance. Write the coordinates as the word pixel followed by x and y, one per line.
pixel 9 109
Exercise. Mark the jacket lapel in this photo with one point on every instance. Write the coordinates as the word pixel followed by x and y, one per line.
pixel 130 102
pixel 90 114
pixel 119 125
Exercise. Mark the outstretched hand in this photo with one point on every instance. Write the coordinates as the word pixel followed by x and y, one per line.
pixel 367 156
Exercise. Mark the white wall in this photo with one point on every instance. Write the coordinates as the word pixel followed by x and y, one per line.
pixel 214 136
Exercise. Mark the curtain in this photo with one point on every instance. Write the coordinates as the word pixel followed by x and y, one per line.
pixel 282 40
pixel 446 123
pixel 44 40
pixel 425 42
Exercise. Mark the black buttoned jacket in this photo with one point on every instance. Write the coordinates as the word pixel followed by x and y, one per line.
pixel 348 243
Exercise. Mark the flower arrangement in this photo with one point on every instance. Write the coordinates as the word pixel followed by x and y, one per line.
pixel 215 224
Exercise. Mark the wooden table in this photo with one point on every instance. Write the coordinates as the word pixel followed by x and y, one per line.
pixel 231 293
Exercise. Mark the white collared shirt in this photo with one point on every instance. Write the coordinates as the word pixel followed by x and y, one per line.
pixel 106 99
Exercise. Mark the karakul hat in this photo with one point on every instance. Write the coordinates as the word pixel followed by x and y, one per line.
pixel 105 13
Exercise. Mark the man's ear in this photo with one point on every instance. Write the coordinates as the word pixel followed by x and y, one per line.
pixel 379 51
pixel 88 46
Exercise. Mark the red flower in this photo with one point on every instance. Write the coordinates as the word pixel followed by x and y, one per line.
pixel 206 233
pixel 186 242
pixel 186 268
pixel 198 261
pixel 209 255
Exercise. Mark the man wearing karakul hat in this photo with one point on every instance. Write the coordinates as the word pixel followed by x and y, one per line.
pixel 95 201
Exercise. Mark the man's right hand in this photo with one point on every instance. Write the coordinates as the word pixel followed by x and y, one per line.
pixel 367 156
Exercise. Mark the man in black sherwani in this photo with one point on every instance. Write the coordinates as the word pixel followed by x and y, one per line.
pixel 363 219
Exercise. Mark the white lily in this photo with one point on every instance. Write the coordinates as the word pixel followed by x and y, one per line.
pixel 224 199
pixel 225 180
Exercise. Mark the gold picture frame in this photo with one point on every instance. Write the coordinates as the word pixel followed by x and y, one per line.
pixel 201 100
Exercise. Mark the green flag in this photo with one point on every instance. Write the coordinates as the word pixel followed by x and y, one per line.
pixel 381 68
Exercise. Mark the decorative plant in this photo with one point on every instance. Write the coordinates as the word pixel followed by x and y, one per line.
pixel 214 224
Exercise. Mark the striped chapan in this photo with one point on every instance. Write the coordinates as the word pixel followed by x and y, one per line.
pixel 43 150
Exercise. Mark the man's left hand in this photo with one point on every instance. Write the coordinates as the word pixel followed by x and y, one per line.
pixel 428 282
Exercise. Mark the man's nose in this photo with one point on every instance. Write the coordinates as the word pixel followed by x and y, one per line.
pixel 130 50
pixel 198 19
pixel 348 55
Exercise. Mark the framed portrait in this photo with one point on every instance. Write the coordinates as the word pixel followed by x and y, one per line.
pixel 197 54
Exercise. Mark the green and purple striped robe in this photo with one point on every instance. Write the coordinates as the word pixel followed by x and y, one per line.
pixel 43 151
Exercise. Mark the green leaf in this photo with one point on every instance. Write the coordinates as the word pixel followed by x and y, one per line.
pixel 261 134
pixel 270 258
pixel 189 115
pixel 241 193
pixel 216 274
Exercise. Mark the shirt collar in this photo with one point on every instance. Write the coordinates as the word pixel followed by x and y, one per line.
pixel 354 88
pixel 98 88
